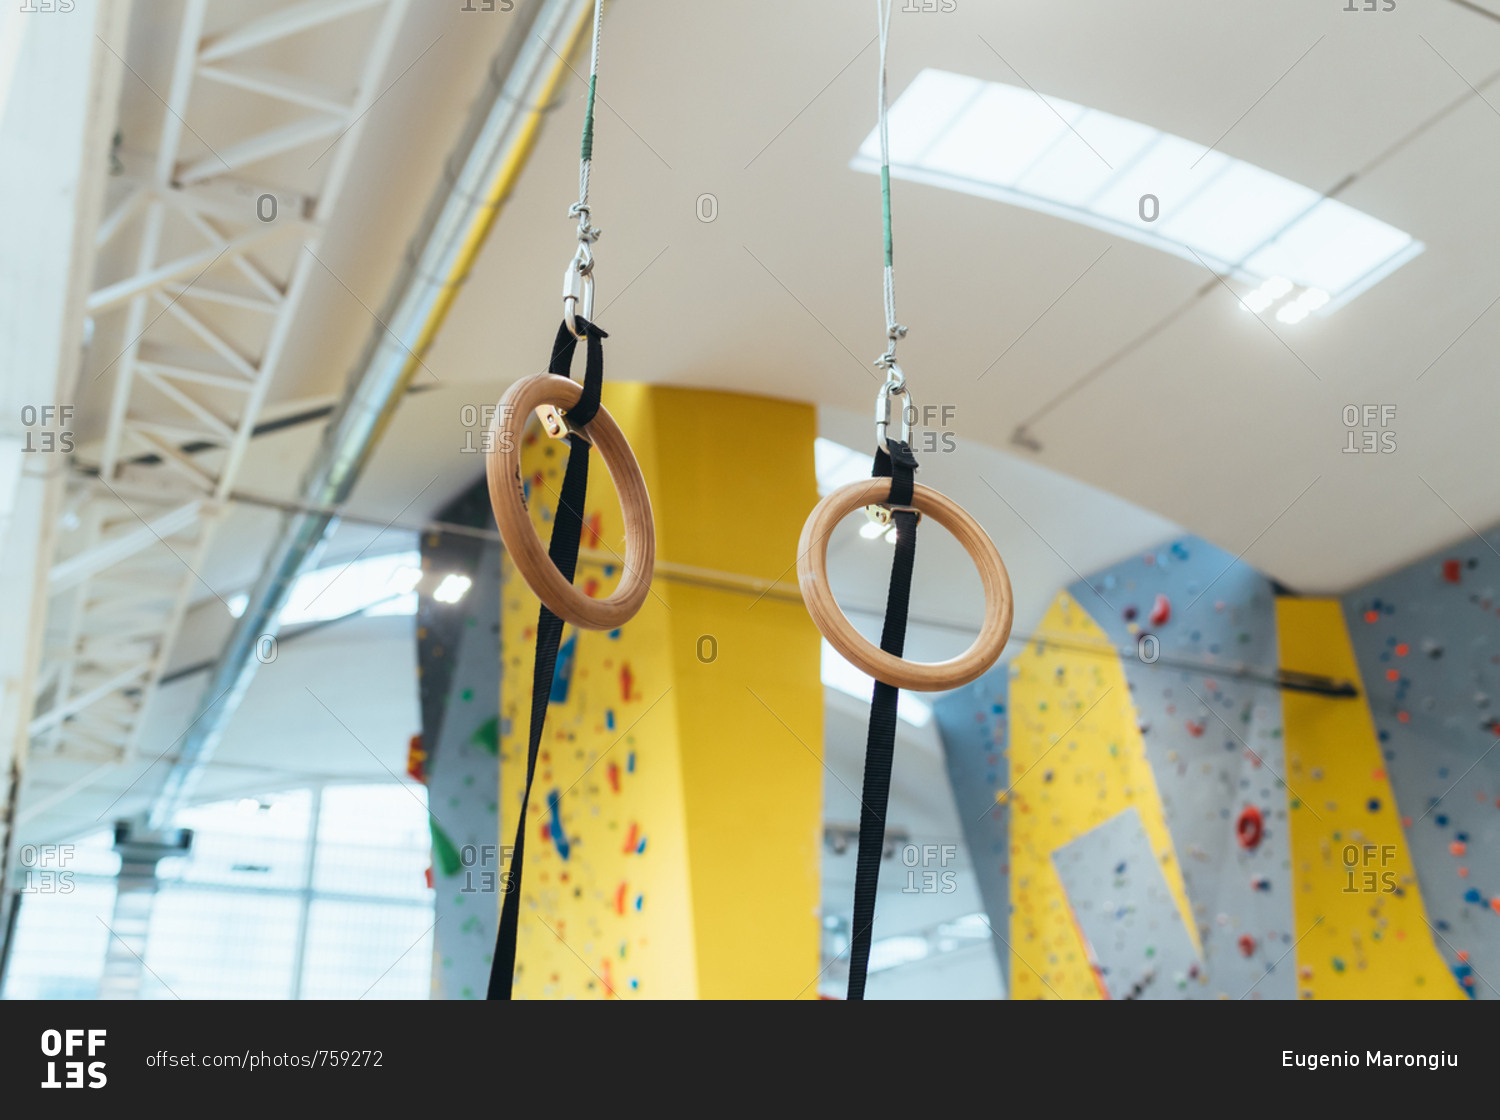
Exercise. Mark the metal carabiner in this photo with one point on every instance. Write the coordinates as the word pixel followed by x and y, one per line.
pixel 895 385
pixel 578 289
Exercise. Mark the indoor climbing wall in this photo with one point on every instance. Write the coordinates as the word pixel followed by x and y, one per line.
pixel 1291 837
pixel 1427 639
pixel 457 754
pixel 1196 631
pixel 1362 930
pixel 1077 762
pixel 674 827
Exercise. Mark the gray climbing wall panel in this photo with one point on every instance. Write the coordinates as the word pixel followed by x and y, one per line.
pixel 971 722
pixel 1125 909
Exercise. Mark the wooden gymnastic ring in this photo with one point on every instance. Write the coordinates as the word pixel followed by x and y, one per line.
pixel 508 498
pixel 936 676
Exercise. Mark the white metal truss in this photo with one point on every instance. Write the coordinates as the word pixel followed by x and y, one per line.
pixel 203 264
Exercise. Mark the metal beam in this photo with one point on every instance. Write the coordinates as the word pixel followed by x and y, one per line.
pixel 74 570
pixel 278 25
pixel 478 178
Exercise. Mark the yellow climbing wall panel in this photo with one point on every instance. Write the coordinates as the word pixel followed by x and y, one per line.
pixel 1355 897
pixel 674 834
pixel 1076 759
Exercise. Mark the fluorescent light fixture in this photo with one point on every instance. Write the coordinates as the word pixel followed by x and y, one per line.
pixel 838 674
pixel 453 588
pixel 1007 143
pixel 237 604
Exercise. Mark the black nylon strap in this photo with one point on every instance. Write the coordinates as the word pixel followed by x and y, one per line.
pixel 880 746
pixel 562 550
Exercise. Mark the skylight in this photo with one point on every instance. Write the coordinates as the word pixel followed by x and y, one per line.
pixel 1004 142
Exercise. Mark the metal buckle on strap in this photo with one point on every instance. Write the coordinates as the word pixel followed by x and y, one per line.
pixel 556 424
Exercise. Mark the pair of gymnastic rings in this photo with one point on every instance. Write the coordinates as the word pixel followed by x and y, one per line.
pixel 550 396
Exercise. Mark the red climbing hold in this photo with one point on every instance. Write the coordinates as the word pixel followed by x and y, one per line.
pixel 1453 571
pixel 1161 611
pixel 1247 945
pixel 1249 828
pixel 1195 729
pixel 626 680
pixel 614 777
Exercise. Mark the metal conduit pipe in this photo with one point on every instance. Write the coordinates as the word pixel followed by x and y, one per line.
pixel 523 80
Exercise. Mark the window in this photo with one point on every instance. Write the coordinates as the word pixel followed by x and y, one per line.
pixel 316 893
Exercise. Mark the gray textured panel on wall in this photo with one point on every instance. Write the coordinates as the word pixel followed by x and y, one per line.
pixel 1427 639
pixel 972 722
pixel 1214 743
pixel 463 782
pixel 1125 910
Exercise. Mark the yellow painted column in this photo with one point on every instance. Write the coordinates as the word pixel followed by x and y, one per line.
pixel 1358 908
pixel 675 825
